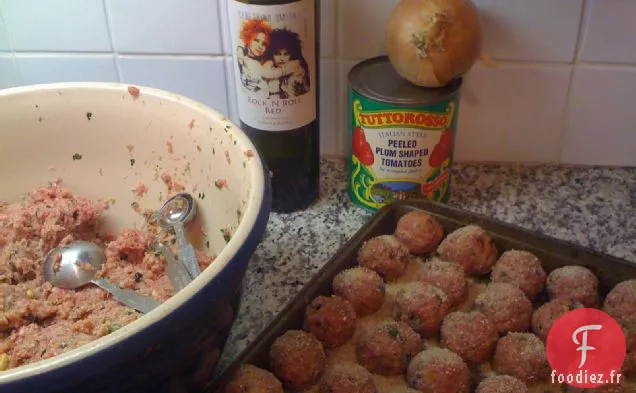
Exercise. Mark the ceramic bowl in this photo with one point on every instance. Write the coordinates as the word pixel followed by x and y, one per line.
pixel 103 140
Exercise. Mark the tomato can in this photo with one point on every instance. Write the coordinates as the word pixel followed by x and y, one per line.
pixel 400 137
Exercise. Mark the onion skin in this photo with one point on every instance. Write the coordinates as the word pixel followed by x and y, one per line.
pixel 432 42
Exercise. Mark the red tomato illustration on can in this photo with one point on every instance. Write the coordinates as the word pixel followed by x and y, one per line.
pixel 361 148
pixel 442 150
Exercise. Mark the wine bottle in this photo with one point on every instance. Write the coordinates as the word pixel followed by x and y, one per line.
pixel 276 67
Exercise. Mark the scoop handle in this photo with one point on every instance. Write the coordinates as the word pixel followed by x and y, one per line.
pixel 141 303
pixel 187 254
pixel 177 272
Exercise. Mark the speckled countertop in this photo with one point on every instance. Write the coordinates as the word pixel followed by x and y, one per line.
pixel 593 207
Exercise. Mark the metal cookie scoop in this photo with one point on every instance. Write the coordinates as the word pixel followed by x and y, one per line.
pixel 173 215
pixel 177 273
pixel 75 265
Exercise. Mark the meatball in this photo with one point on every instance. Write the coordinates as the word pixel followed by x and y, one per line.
pixel 387 348
pixel 506 306
pixel 471 247
pixel 620 302
pixel 331 319
pixel 628 324
pixel 573 283
pixel 419 232
pixel 385 255
pixel 501 384
pixel 522 355
pixel 361 286
pixel 609 388
pixel 521 268
pixel 347 377
pixel 298 359
pixel 471 335
pixel 251 379
pixel 438 370
pixel 447 276
pixel 544 317
pixel 629 365
pixel 422 306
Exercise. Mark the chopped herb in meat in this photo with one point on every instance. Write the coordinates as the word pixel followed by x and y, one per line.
pixel 138 276
pixel 207 244
pixel 89 115
pixel 132 161
pixel 77 156
pixel 393 332
pixel 226 235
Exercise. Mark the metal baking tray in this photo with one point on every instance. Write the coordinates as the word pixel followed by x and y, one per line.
pixel 552 252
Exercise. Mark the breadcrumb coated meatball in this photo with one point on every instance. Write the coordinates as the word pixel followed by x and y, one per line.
pixel 297 359
pixel 331 319
pixel 546 315
pixel 347 377
pixel 438 370
pixel 419 232
pixel 422 306
pixel 447 276
pixel 387 348
pixel 522 355
pixel 385 255
pixel 471 247
pixel 252 379
pixel 521 268
pixel 361 286
pixel 471 335
pixel 506 306
pixel 574 283
pixel 620 302
pixel 609 388
pixel 501 384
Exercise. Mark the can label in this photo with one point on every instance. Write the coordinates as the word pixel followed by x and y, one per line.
pixel 398 152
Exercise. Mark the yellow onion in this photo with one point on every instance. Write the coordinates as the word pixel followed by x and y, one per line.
pixel 432 42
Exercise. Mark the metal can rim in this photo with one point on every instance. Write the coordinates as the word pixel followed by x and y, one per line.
pixel 430 95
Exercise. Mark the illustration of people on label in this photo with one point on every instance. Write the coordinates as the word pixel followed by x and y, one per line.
pixel 271 61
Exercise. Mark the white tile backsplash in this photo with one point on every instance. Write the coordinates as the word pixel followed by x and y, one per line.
pixel 361 24
pixel 5 45
pixel 540 30
pixel 512 113
pixel 328 29
pixel 198 78
pixel 529 109
pixel 329 132
pixel 48 68
pixel 601 120
pixel 56 25
pixel 9 76
pixel 166 26
pixel 610 32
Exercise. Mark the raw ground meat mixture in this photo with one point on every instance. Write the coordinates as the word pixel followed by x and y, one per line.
pixel 39 321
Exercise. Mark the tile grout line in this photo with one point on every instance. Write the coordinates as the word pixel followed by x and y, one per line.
pixel 109 30
pixel 568 95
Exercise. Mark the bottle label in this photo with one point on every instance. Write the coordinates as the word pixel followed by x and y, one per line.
pixel 274 63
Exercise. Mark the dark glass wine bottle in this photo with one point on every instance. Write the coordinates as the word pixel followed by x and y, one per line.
pixel 276 66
